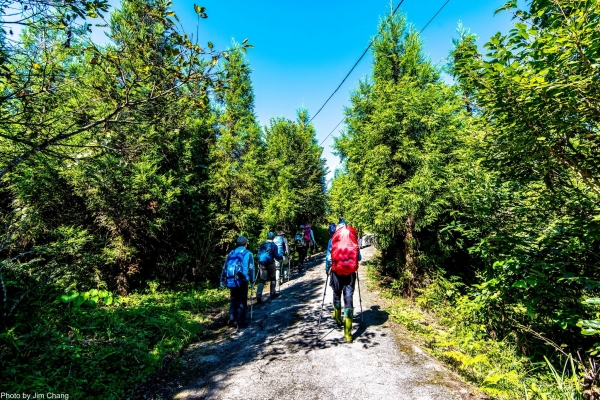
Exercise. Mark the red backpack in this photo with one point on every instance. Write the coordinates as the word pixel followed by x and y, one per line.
pixel 344 251
pixel 307 233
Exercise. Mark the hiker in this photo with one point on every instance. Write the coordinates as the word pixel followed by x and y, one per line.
pixel 238 270
pixel 301 246
pixel 309 238
pixel 267 254
pixel 341 263
pixel 283 248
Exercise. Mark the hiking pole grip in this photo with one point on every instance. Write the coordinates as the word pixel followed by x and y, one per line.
pixel 322 304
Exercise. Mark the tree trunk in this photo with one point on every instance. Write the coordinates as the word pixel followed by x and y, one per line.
pixel 410 254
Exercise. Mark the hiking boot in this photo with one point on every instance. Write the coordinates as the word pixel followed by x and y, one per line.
pixel 258 299
pixel 337 314
pixel 348 313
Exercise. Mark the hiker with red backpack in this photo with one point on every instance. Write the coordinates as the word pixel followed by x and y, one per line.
pixel 267 254
pixel 238 270
pixel 341 264
pixel 309 238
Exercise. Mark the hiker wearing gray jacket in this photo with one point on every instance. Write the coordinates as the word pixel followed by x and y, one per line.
pixel 267 254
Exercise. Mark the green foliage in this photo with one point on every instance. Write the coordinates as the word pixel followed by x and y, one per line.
pixel 448 325
pixel 122 166
pixel 491 184
pixel 101 350
pixel 401 159
pixel 295 171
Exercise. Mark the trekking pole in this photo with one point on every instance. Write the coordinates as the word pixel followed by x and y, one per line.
pixel 289 267
pixel 251 301
pixel 360 298
pixel 252 294
pixel 322 304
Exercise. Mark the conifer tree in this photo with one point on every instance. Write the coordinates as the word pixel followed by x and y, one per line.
pixel 236 157
pixel 402 130
pixel 296 174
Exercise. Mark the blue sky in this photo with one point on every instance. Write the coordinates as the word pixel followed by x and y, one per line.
pixel 302 50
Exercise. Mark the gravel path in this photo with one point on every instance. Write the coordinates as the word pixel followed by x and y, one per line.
pixel 280 355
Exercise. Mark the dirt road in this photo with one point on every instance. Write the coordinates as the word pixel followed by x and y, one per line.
pixel 282 356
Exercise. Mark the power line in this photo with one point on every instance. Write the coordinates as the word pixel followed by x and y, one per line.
pixel 436 14
pixel 352 69
pixel 426 25
pixel 331 132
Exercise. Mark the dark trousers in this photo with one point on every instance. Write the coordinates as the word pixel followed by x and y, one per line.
pixel 343 284
pixel 238 304
pixel 301 253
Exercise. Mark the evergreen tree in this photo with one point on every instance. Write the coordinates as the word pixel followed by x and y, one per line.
pixel 397 153
pixel 296 173
pixel 236 157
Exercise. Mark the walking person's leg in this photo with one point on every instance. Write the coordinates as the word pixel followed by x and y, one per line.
pixel 348 290
pixel 232 307
pixel 337 297
pixel 278 272
pixel 263 279
pixel 273 278
pixel 242 305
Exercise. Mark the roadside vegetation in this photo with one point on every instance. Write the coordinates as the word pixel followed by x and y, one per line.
pixel 128 168
pixel 483 195
pixel 127 171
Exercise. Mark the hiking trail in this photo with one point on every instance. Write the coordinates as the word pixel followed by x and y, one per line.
pixel 280 355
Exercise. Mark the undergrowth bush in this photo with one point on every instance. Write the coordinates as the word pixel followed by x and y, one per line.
pixel 101 351
pixel 446 322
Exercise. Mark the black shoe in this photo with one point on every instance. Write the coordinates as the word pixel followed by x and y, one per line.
pixel 274 295
pixel 259 300
pixel 231 322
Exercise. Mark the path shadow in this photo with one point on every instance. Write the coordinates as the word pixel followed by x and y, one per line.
pixel 369 318
pixel 280 328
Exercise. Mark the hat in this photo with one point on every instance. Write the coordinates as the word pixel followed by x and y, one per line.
pixel 242 240
pixel 301 226
pixel 341 221
pixel 270 235
pixel 281 233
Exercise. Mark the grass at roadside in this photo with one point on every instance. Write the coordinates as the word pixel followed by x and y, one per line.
pixel 443 321
pixel 102 351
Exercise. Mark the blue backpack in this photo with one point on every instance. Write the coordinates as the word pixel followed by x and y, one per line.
pixel 279 242
pixel 265 255
pixel 234 271
pixel 332 228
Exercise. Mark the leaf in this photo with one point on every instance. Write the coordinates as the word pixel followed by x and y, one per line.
pixel 520 284
pixel 199 10
pixel 593 323
pixel 79 300
pixel 210 45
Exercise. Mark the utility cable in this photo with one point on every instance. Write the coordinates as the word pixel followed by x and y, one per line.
pixel 332 131
pixel 426 25
pixel 436 14
pixel 354 66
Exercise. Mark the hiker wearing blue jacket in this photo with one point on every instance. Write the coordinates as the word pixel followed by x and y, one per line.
pixel 238 294
pixel 267 254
